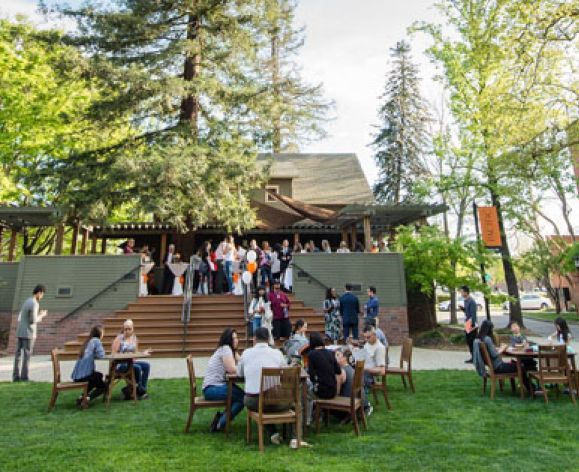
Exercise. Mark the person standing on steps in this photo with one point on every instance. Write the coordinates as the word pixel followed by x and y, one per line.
pixel 168 277
pixel 26 332
pixel 470 320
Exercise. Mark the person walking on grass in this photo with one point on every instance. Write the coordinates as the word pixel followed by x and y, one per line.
pixel 470 321
pixel 28 318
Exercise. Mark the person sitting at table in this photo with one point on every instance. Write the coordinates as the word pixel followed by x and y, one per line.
pixel 127 342
pixel 486 336
pixel 562 335
pixel 518 338
pixel 298 340
pixel 252 361
pixel 223 362
pixel 343 356
pixel 375 362
pixel 85 369
pixel 326 376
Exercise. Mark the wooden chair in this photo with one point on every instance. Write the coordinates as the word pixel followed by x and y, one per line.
pixel 351 405
pixel 380 385
pixel 115 377
pixel 279 390
pixel 493 375
pixel 58 385
pixel 403 371
pixel 196 402
pixel 554 369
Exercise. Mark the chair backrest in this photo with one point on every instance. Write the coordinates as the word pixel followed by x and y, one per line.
pixel 192 379
pixel 406 353
pixel 486 358
pixel 55 365
pixel 279 386
pixel 553 360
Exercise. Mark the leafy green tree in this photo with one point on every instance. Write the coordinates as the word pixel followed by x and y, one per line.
pixel 401 140
pixel 432 259
pixel 181 73
pixel 504 66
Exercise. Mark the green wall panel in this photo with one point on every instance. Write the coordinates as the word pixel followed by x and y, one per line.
pixel 8 278
pixel 313 272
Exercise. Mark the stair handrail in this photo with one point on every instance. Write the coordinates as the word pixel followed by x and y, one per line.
pixel 99 293
pixel 187 299
pixel 308 275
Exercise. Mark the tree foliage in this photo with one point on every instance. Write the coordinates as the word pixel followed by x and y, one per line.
pixel 401 140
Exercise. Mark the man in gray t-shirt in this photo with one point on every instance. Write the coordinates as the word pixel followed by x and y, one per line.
pixel 26 332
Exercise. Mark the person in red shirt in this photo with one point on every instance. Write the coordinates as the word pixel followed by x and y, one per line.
pixel 280 304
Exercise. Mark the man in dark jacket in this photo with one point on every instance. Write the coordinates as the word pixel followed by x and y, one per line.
pixel 350 309
pixel 470 326
pixel 168 277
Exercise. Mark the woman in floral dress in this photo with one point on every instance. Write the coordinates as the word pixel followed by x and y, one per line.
pixel 333 326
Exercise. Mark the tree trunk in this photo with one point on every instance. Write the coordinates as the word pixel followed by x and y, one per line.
pixel 276 143
pixel 421 311
pixel 190 103
pixel 515 314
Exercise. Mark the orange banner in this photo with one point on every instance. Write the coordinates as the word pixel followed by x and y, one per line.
pixel 489 225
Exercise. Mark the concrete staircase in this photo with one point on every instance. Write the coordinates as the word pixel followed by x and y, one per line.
pixel 158 324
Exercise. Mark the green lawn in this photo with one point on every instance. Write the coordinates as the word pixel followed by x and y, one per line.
pixel 551 315
pixel 446 425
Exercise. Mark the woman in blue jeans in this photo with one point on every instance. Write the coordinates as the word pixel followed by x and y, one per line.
pixel 223 362
pixel 127 342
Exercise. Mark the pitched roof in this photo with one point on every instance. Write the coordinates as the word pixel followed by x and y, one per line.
pixel 318 179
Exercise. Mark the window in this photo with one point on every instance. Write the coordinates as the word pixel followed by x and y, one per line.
pixel 272 188
pixel 63 292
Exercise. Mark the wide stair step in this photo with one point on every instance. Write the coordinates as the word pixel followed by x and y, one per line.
pixel 158 324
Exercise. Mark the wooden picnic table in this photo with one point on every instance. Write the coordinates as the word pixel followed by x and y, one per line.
pixel 122 358
pixel 519 353
pixel 233 378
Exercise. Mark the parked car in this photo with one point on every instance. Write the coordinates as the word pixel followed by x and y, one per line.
pixel 531 301
pixel 478 298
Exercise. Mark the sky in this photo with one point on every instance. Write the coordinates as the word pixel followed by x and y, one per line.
pixel 346 48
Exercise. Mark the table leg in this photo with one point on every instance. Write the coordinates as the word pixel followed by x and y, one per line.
pixel 304 406
pixel 133 380
pixel 228 407
pixel 520 374
pixel 109 386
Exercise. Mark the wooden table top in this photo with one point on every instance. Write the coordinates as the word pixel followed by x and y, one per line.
pixel 240 379
pixel 121 356
pixel 518 352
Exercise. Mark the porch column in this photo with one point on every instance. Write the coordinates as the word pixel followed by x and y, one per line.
pixel 163 248
pixel 345 235
pixel 83 241
pixel 93 244
pixel 1 239
pixel 59 239
pixel 367 233
pixel 74 242
pixel 103 245
pixel 353 237
pixel 12 245
pixel 296 238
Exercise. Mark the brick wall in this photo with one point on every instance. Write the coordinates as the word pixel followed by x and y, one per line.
pixel 393 321
pixel 51 332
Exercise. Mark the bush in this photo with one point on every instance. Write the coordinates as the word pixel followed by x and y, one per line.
pixel 498 298
pixel 442 298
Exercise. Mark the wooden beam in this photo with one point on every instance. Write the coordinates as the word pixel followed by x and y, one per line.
pixel 59 239
pixel 74 242
pixel 353 236
pixel 367 234
pixel 104 246
pixel 163 248
pixel 345 236
pixel 93 244
pixel 83 243
pixel 12 246
pixel 296 238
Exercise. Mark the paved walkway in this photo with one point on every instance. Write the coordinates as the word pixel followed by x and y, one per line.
pixel 423 359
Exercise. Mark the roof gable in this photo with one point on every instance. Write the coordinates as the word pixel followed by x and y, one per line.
pixel 331 179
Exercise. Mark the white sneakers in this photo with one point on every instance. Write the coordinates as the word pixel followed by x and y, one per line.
pixel 277 440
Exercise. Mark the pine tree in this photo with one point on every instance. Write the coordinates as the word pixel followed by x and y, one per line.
pixel 293 111
pixel 402 137
pixel 180 73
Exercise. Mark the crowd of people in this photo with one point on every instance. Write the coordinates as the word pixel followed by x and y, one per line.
pixel 217 267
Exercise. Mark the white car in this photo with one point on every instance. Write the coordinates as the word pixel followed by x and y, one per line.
pixel 445 306
pixel 531 301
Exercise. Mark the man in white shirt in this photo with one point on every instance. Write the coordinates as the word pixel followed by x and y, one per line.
pixel 375 361
pixel 252 361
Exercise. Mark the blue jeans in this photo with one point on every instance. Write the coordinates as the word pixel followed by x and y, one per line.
pixel 229 274
pixel 256 323
pixel 266 275
pixel 219 392
pixel 141 369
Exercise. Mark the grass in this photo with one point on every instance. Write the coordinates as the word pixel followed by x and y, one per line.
pixel 571 317
pixel 446 425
